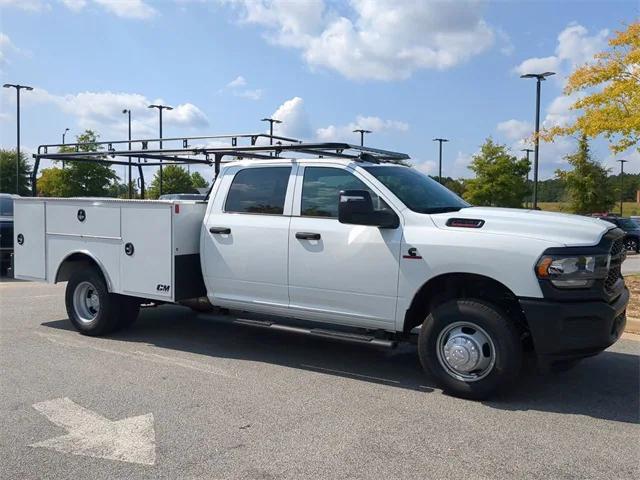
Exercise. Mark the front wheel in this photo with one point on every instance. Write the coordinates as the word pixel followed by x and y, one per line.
pixel 471 347
pixel 631 244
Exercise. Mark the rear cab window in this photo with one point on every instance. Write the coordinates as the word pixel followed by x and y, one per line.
pixel 260 190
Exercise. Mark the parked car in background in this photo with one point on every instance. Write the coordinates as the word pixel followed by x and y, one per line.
pixel 6 231
pixel 631 231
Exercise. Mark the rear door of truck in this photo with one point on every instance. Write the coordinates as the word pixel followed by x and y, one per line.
pixel 29 239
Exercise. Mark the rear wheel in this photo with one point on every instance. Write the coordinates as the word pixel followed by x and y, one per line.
pixel 92 309
pixel 471 347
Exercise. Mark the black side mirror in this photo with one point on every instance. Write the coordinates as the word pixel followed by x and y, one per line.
pixel 355 207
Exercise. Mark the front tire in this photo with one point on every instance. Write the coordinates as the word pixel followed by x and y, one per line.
pixel 631 245
pixel 471 347
pixel 91 308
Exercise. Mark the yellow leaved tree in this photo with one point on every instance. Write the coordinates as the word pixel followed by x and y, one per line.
pixel 608 91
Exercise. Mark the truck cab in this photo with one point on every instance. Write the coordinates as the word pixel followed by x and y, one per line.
pixel 368 250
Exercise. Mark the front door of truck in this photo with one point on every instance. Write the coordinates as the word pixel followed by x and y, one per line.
pixel 342 273
pixel 245 242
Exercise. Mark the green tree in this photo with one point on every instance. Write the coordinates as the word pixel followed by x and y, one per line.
pixel 175 179
pixel 53 183
pixel 500 177
pixel 586 184
pixel 198 181
pixel 88 179
pixel 8 173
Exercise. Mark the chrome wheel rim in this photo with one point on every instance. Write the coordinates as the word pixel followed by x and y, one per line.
pixel 466 351
pixel 86 302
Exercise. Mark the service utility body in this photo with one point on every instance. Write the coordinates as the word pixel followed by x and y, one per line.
pixel 347 247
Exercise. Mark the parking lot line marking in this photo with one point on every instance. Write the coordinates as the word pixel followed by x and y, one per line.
pixel 130 440
pixel 138 355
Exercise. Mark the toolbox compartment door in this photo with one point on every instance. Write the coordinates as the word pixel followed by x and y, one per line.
pixel 29 240
pixel 146 258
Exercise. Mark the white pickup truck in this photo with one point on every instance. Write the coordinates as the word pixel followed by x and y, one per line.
pixel 356 249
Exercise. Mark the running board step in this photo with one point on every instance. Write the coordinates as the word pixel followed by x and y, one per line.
pixel 319 332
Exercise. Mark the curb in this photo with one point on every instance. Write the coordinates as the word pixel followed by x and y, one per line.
pixel 633 325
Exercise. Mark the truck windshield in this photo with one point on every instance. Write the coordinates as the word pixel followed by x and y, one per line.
pixel 416 190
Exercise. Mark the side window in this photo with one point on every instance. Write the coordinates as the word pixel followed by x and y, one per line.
pixel 258 190
pixel 321 187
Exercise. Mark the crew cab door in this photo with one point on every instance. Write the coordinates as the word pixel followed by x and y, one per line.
pixel 337 272
pixel 245 242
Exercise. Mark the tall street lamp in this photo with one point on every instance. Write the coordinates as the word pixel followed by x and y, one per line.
pixel 362 133
pixel 160 109
pixel 622 162
pixel 440 141
pixel 540 77
pixel 18 88
pixel 126 111
pixel 271 122
pixel 528 151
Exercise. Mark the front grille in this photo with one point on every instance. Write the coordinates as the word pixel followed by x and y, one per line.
pixel 617 256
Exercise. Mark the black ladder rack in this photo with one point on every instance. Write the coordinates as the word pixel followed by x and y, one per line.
pixel 207 150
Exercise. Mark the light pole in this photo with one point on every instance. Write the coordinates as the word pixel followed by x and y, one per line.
pixel 622 162
pixel 540 77
pixel 271 122
pixel 126 111
pixel 64 134
pixel 528 150
pixel 440 141
pixel 18 88
pixel 160 109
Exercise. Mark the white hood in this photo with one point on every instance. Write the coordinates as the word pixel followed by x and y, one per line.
pixel 564 229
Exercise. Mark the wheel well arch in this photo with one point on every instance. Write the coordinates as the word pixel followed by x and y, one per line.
pixel 80 259
pixel 449 286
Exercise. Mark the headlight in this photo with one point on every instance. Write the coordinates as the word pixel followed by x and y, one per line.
pixel 578 271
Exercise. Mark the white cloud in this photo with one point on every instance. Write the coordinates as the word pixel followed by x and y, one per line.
pixel 575 47
pixel 345 132
pixel 539 65
pixel 102 111
pixel 239 81
pixel 294 118
pixel 6 46
pixel 250 94
pixel 27 5
pixel 75 5
pixel 516 130
pixel 236 85
pixel 136 9
pixel 379 39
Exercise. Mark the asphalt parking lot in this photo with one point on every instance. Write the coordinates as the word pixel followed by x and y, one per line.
pixel 189 396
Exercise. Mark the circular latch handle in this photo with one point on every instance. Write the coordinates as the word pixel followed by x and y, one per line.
pixel 82 215
pixel 20 239
pixel 128 248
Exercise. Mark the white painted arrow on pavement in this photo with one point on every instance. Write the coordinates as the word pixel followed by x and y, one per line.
pixel 129 440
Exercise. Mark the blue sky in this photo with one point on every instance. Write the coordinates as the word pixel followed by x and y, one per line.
pixel 410 71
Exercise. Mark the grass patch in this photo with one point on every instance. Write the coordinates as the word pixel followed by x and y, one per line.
pixel 628 208
pixel 633 284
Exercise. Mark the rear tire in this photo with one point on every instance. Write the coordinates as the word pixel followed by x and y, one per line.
pixel 471 347
pixel 91 308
